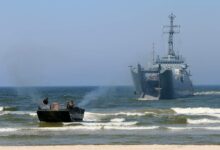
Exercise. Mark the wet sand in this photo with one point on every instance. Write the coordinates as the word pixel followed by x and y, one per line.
pixel 114 147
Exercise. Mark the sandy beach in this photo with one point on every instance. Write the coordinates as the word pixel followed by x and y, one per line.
pixel 114 147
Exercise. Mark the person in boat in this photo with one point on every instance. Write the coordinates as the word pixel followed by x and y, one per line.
pixel 70 104
pixel 45 104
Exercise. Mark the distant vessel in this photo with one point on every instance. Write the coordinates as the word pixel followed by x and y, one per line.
pixel 167 78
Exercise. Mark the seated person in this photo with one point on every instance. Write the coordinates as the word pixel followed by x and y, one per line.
pixel 70 105
pixel 45 104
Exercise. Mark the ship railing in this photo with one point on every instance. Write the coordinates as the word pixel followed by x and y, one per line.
pixel 169 62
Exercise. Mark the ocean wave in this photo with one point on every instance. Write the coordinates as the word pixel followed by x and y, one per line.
pixel 193 128
pixel 132 128
pixel 117 120
pixel 202 121
pixel 91 116
pixel 76 128
pixel 133 113
pixel 110 124
pixel 98 128
pixel 31 113
pixel 86 128
pixel 8 108
pixel 113 122
pixel 198 111
pixel 148 98
pixel 207 93
pixel 8 129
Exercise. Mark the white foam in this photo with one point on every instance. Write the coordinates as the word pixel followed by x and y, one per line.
pixel 198 111
pixel 90 116
pixel 110 124
pixel 8 129
pixel 132 128
pixel 31 113
pixel 148 98
pixel 198 128
pixel 202 121
pixel 117 120
pixel 179 128
pixel 94 128
pixel 212 128
pixel 131 113
pixel 68 128
pixel 1 108
pixel 207 93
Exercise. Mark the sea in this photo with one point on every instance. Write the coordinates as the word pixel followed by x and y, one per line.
pixel 113 115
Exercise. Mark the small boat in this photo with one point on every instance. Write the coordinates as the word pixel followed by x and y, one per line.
pixel 57 113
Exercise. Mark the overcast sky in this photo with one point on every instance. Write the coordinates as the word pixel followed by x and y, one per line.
pixel 92 42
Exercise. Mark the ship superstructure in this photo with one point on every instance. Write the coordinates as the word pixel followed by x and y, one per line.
pixel 168 77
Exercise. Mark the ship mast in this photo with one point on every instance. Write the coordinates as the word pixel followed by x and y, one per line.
pixel 171 32
pixel 153 48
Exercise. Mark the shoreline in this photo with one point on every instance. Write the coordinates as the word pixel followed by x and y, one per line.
pixel 114 147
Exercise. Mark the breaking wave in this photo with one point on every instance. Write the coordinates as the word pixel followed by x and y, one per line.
pixel 148 98
pixel 202 121
pixel 76 128
pixel 86 128
pixel 7 108
pixel 117 120
pixel 91 116
pixel 190 128
pixel 133 113
pixel 8 129
pixel 120 122
pixel 31 113
pixel 207 93
pixel 96 128
pixel 111 124
pixel 198 111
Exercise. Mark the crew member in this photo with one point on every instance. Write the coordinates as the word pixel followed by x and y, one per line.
pixel 70 104
pixel 45 104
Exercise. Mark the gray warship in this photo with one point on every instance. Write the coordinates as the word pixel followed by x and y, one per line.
pixel 167 77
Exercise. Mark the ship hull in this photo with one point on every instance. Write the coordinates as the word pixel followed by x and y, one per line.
pixel 168 86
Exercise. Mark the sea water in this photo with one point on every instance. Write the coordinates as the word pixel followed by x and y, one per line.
pixel 113 115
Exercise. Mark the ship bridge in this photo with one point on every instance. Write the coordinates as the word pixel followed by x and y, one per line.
pixel 170 60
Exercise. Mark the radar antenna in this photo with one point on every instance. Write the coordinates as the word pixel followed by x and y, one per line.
pixel 171 32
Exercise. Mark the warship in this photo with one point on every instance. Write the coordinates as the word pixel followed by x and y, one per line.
pixel 167 77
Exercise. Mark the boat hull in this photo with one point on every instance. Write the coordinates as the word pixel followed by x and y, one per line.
pixel 75 114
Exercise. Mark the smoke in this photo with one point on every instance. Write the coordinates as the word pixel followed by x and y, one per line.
pixel 93 96
pixel 25 69
pixel 30 93
pixel 25 66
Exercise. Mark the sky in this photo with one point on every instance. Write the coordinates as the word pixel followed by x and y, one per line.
pixel 92 42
